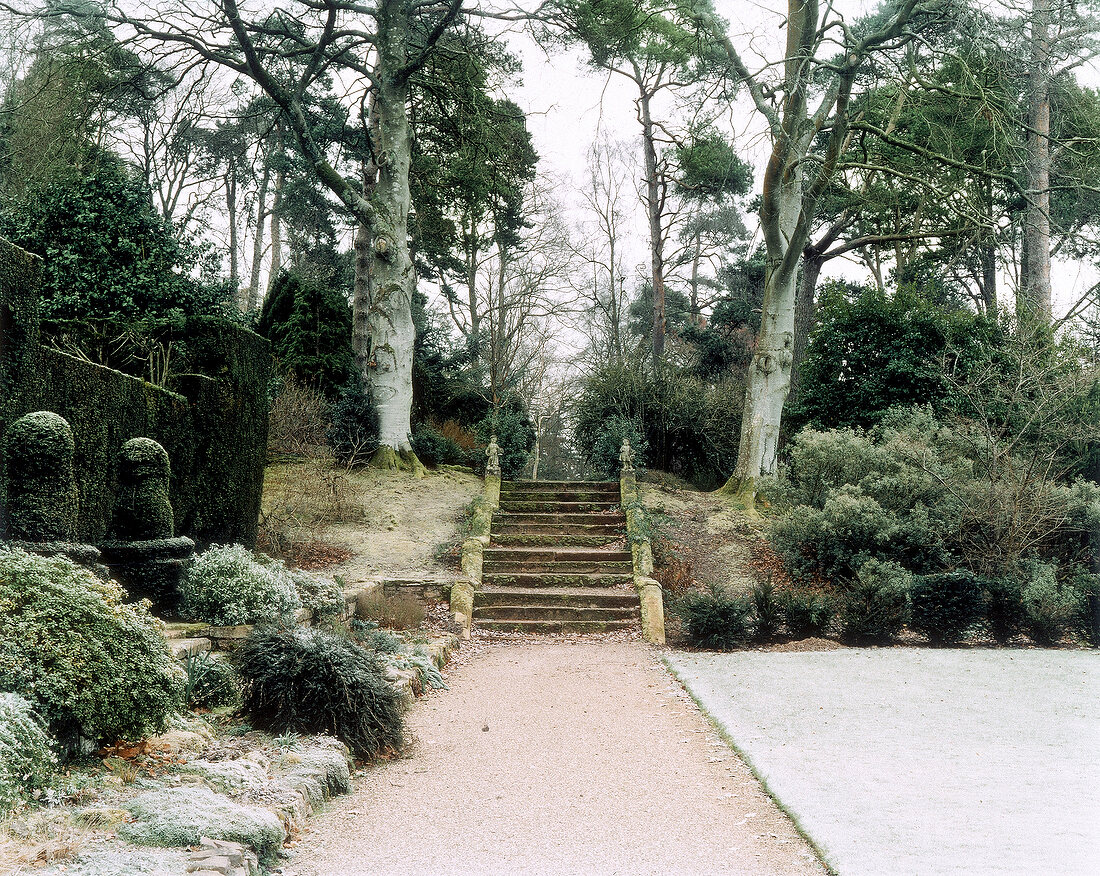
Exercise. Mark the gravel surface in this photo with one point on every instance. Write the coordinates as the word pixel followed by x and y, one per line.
pixel 557 757
pixel 922 761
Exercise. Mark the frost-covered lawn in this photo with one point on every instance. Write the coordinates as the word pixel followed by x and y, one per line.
pixel 906 761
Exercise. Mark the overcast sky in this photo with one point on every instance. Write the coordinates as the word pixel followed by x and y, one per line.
pixel 569 105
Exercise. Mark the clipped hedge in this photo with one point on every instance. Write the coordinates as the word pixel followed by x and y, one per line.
pixel 95 666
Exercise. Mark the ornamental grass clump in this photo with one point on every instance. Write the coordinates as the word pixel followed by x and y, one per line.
pixel 301 680
pixel 229 585
pixel 27 759
pixel 211 682
pixel 94 666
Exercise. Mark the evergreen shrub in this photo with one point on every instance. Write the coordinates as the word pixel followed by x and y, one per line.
pixel 716 619
pixel 873 606
pixel 95 666
pixel 806 611
pixel 1004 607
pixel 945 605
pixel 1051 607
pixel 301 680
pixel 229 585
pixel 767 609
pixel 353 424
pixel 26 752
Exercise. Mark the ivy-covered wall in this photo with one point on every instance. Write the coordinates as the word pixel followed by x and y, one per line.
pixel 212 421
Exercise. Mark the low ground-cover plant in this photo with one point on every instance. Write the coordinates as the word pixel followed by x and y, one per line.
pixel 301 680
pixel 27 759
pixel 873 606
pixel 945 606
pixel 230 585
pixel 716 618
pixel 95 666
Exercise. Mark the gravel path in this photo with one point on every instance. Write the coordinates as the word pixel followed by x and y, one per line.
pixel 594 761
pixel 915 760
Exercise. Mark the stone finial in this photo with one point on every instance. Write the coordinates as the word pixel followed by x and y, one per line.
pixel 42 502
pixel 142 509
pixel 493 454
pixel 626 456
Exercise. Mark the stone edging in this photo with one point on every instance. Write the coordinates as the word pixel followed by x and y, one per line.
pixel 473 548
pixel 649 590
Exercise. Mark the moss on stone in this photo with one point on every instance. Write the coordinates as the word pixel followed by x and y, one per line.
pixel 180 816
pixel 42 499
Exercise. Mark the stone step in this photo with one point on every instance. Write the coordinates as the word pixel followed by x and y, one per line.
pixel 541 626
pixel 558 497
pixel 523 506
pixel 572 613
pixel 560 486
pixel 558 579
pixel 184 648
pixel 578 597
pixel 535 539
pixel 554 555
pixel 591 518
pixel 505 527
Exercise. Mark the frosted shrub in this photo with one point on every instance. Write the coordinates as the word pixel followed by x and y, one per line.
pixel 324 597
pixel 26 752
pixel 229 585
pixel 94 666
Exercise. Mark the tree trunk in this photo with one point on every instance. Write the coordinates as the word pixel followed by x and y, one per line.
pixel 387 372
pixel 277 225
pixel 1036 282
pixel 656 238
pixel 473 339
pixel 254 300
pixel 812 261
pixel 231 209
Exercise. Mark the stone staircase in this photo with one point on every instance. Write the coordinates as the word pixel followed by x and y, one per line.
pixel 557 561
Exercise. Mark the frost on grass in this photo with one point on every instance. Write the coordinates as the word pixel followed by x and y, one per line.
pixel 180 816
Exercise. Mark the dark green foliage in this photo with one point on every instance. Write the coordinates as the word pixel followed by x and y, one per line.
pixel 96 667
pixel 716 619
pixel 211 682
pixel 20 277
pixel 872 352
pixel 710 168
pixel 603 455
pixel 353 429
pixel 1052 607
pixel 299 680
pixel 515 435
pixel 435 449
pixel 1004 608
pixel 690 427
pixel 42 500
pixel 27 759
pixel 309 327
pixel 143 511
pixel 106 251
pixel 873 606
pixel 806 611
pixel 767 609
pixel 945 605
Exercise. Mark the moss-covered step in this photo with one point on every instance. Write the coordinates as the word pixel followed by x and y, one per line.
pixel 559 579
pixel 554 555
pixel 592 518
pixel 524 506
pixel 534 539
pixel 578 597
pixel 559 486
pixel 542 626
pixel 553 613
pixel 563 496
pixel 505 526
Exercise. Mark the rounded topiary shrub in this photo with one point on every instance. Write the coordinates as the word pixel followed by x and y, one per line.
pixel 716 619
pixel 229 585
pixel 42 500
pixel 301 680
pixel 873 607
pixel 26 752
pixel 946 605
pixel 95 666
